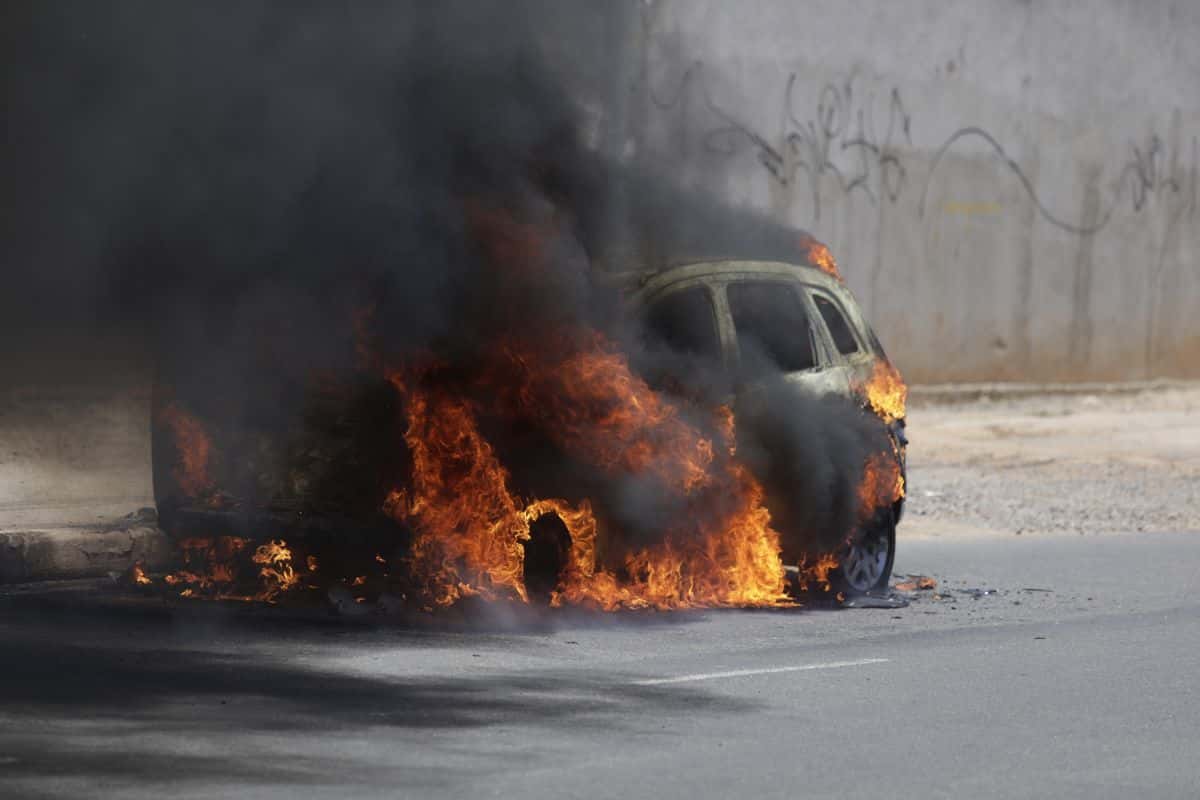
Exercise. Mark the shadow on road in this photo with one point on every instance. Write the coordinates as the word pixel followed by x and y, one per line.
pixel 141 692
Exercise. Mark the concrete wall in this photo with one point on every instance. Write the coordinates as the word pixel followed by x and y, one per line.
pixel 1010 186
pixel 74 430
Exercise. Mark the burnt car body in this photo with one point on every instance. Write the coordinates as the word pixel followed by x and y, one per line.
pixel 764 321
pixel 297 451
pixel 763 316
pixel 308 460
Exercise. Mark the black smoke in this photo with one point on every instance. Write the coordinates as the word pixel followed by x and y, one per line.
pixel 168 160
pixel 236 182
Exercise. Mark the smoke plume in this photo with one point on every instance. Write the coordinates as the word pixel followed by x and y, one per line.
pixel 246 184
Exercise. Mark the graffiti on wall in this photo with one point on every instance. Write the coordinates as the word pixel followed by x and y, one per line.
pixel 1148 170
pixel 840 136
pixel 850 140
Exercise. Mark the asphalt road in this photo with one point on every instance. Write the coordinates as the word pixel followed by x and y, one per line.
pixel 1086 690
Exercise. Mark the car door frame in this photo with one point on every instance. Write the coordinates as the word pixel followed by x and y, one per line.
pixel 856 367
pixel 821 377
pixel 716 302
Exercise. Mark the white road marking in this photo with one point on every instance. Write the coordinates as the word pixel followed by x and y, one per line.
pixel 739 673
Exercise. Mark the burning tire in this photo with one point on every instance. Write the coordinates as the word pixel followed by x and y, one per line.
pixel 866 565
pixel 545 556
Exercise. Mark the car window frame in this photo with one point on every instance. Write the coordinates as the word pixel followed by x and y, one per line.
pixel 817 334
pixel 864 350
pixel 714 307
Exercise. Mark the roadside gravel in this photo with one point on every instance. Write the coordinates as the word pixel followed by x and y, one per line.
pixel 1087 464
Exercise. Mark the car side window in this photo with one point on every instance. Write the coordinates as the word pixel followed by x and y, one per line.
pixel 839 329
pixel 773 330
pixel 684 322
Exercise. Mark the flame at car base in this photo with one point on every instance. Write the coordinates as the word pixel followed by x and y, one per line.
pixel 470 525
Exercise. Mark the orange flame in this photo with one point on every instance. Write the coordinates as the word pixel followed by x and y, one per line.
pixel 819 256
pixel 137 574
pixel 211 569
pixel 882 484
pixel 886 392
pixel 591 403
pixel 470 527
pixel 815 573
pixel 277 573
pixel 193 450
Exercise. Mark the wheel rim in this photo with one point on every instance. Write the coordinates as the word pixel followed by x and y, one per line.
pixel 866 562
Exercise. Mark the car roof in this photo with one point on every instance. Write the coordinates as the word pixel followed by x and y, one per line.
pixel 650 283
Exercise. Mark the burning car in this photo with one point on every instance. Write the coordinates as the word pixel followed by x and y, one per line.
pixel 570 468
pixel 480 407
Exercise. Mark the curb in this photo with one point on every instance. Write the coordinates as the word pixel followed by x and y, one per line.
pixel 951 393
pixel 81 552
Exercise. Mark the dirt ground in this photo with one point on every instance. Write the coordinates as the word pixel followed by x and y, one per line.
pixel 1113 461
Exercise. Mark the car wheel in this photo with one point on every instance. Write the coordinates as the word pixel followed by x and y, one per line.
pixel 545 557
pixel 866 564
